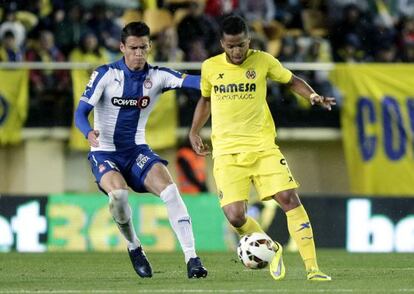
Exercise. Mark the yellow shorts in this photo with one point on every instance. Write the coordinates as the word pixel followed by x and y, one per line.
pixel 266 170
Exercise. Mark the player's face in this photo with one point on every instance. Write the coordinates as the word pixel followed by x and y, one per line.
pixel 136 51
pixel 236 47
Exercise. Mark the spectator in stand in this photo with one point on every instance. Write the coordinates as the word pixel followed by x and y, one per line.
pixel 406 42
pixel 105 28
pixel 258 10
pixel 220 8
pixel 89 51
pixel 13 25
pixel 197 25
pixel 352 33
pixel 69 31
pixel 48 88
pixel 384 42
pixel 406 8
pixel 351 50
pixel 336 7
pixel 9 50
pixel 166 46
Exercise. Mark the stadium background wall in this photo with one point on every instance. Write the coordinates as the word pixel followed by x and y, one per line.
pixel 43 163
pixel 81 222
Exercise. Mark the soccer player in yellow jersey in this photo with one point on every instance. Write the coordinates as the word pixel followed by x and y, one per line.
pixel 233 88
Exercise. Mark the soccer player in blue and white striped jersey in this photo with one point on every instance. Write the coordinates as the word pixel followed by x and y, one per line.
pixel 123 94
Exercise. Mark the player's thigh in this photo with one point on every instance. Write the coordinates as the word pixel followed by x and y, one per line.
pixel 232 180
pixel 107 171
pixel 113 180
pixel 158 178
pixel 272 174
pixel 141 165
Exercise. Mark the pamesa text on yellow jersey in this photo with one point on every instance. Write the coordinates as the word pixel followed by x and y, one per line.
pixel 241 119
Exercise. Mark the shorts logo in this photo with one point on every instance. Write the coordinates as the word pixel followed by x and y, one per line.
pixel 147 84
pixel 142 160
pixel 251 74
pixel 220 194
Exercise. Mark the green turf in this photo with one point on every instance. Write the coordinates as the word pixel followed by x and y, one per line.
pixel 112 273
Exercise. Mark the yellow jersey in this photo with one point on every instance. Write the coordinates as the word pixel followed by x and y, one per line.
pixel 240 116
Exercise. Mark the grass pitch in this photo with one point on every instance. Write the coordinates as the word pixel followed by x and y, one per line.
pixel 113 273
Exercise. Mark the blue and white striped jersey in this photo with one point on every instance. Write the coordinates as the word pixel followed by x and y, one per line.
pixel 123 100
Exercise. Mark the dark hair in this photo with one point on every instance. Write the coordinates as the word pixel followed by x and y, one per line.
pixel 8 34
pixel 137 29
pixel 234 25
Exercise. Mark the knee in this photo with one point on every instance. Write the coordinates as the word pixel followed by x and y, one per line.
pixel 236 219
pixel 119 207
pixel 288 199
pixel 119 196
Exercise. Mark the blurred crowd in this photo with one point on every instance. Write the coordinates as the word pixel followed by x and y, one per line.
pixel 188 30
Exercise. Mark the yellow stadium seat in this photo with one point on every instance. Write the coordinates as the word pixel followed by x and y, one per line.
pixel 179 14
pixel 313 19
pixel 158 19
pixel 131 15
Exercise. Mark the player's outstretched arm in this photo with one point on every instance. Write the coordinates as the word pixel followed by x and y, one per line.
pixel 201 115
pixel 299 86
pixel 192 82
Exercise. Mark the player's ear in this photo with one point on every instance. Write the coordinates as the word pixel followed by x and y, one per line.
pixel 122 47
pixel 221 43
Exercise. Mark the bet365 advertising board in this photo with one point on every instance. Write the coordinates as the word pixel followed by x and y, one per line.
pixel 83 223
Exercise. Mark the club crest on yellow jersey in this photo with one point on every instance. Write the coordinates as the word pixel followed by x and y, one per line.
pixel 251 74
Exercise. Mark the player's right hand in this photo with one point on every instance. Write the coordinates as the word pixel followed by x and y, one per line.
pixel 93 138
pixel 198 146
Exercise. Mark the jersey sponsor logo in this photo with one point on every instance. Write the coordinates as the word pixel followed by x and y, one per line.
pixel 140 102
pixel 232 88
pixel 92 79
pixel 220 76
pixel 142 160
pixel 147 84
pixel 251 74
pixel 143 102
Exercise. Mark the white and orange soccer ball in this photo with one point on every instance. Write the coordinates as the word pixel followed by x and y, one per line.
pixel 256 250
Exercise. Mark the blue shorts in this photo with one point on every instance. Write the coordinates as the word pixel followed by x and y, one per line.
pixel 133 164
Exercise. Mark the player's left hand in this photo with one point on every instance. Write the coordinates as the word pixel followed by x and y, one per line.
pixel 325 102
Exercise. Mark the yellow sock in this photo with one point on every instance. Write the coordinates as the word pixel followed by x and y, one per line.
pixel 250 226
pixel 301 231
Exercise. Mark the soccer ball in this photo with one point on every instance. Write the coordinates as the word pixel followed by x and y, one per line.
pixel 255 250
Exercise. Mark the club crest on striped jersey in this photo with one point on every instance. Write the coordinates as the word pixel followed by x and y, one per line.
pixel 251 74
pixel 147 84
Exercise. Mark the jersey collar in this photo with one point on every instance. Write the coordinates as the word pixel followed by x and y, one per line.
pixel 134 74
